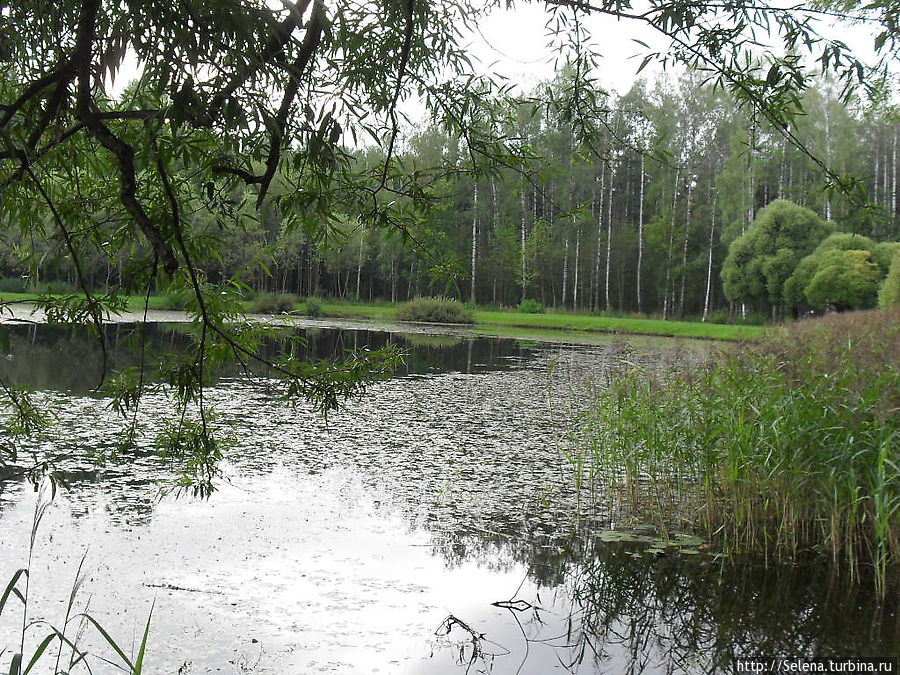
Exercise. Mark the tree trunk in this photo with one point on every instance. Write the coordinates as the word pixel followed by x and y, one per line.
pixel 474 238
pixel 709 264
pixel 670 250
pixel 577 260
pixel 684 248
pixel 359 262
pixel 640 257
pixel 522 234
pixel 609 210
pixel 598 214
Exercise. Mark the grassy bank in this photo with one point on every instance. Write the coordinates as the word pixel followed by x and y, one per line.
pixel 558 321
pixel 786 447
pixel 562 321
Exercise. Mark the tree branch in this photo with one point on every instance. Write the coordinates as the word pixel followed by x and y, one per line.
pixel 123 152
pixel 310 43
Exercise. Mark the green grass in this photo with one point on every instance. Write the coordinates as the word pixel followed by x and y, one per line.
pixel 584 322
pixel 565 322
pixel 555 321
pixel 783 448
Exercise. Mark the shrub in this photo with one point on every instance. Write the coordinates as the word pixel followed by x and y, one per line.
pixel 174 300
pixel 273 303
pixel 434 310
pixel 314 307
pixel 889 292
pixel 12 285
pixel 530 306
pixel 55 288
pixel 718 316
pixel 841 273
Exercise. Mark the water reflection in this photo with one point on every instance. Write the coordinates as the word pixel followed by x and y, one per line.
pixel 65 358
pixel 344 546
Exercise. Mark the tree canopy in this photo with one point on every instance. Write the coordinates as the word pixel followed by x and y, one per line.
pixel 762 259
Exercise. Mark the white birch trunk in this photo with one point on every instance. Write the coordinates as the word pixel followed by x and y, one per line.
pixel 474 238
pixel 665 311
pixel 609 209
pixel 577 261
pixel 522 234
pixel 640 257
pixel 684 248
pixel 712 231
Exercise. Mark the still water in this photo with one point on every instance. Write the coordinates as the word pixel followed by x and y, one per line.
pixel 431 526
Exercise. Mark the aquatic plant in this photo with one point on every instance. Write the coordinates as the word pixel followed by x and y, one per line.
pixel 782 447
pixel 68 654
pixel 434 310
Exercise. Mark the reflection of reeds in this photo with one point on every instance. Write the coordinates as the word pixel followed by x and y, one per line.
pixel 660 612
pixel 69 655
pixel 786 446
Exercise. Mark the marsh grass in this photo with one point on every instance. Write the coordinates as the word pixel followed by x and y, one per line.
pixel 58 649
pixel 783 447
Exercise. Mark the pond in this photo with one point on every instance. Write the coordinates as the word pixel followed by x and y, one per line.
pixel 431 526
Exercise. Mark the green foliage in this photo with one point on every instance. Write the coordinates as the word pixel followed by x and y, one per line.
pixel 54 288
pixel 434 310
pixel 174 300
pixel 844 280
pixel 779 448
pixel 273 303
pixel 195 449
pixel 12 285
pixel 884 253
pixel 325 384
pixel 530 306
pixel 314 307
pixel 24 417
pixel 761 260
pixel 889 292
pixel 839 273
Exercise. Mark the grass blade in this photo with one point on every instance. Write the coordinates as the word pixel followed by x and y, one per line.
pixel 139 661
pixel 108 638
pixel 11 588
pixel 39 652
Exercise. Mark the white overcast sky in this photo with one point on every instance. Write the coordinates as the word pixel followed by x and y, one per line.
pixel 515 43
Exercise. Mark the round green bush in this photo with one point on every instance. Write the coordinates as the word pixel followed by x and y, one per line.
pixel 314 307
pixel 530 306
pixel 434 310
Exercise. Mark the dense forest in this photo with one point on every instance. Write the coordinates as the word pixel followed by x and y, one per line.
pixel 635 214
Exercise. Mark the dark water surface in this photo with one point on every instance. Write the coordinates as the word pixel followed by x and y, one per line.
pixel 379 541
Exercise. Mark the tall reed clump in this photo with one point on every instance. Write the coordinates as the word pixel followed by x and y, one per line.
pixel 56 648
pixel 782 447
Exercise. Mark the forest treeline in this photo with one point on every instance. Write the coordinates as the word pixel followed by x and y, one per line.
pixel 635 216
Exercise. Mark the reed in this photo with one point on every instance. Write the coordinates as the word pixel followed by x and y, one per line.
pixel 783 447
pixel 49 648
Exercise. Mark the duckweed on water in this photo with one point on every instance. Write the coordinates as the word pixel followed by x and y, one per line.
pixel 779 448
